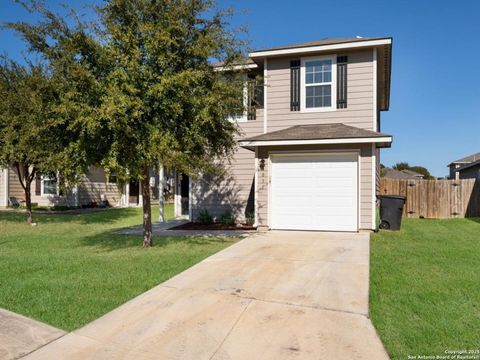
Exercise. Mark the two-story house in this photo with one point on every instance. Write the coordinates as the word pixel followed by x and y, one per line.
pixel 308 157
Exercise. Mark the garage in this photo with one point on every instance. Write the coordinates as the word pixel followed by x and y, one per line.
pixel 316 191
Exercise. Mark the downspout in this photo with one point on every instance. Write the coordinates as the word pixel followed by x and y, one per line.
pixel 265 94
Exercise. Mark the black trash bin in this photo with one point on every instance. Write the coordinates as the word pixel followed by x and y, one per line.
pixel 391 209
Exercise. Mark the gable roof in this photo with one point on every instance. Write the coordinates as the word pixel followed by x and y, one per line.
pixel 322 42
pixel 467 166
pixel 466 159
pixel 413 173
pixel 403 174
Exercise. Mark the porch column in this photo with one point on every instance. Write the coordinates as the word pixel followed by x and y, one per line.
pixel 140 196
pixel 5 177
pixel 127 193
pixel 161 198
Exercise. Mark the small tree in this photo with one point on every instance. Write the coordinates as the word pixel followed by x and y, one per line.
pixel 29 132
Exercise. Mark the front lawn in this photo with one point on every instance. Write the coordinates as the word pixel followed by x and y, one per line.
pixel 71 269
pixel 425 287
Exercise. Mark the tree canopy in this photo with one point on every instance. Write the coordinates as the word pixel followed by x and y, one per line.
pixel 418 169
pixel 142 87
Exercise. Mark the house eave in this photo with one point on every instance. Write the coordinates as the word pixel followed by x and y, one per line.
pixel 319 48
pixel 381 142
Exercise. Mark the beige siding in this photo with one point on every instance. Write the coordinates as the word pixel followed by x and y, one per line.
pixel 365 179
pixel 360 96
pixel 94 184
pixel 14 187
pixel 234 190
pixel 90 189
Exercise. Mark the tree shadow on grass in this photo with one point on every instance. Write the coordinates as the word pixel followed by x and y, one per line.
pixel 98 217
pixel 474 219
pixel 109 241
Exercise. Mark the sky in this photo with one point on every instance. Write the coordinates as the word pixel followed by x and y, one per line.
pixel 434 114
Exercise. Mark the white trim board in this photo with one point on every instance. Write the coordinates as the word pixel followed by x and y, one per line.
pixel 383 139
pixel 311 49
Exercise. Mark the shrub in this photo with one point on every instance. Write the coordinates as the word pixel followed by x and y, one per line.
pixel 250 218
pixel 204 217
pixel 227 218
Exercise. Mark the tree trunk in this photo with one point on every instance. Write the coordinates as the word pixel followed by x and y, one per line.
pixel 28 202
pixel 26 179
pixel 147 210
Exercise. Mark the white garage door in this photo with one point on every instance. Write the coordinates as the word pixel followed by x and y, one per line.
pixel 314 192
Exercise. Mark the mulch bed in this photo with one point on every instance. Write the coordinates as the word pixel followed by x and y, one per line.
pixel 215 226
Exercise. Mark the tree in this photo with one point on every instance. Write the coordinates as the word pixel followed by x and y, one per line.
pixel 32 136
pixel 154 96
pixel 418 169
pixel 401 166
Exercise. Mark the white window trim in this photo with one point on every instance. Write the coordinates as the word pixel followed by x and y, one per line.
pixel 42 193
pixel 303 100
pixel 244 117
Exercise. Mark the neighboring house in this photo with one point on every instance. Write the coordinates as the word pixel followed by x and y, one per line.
pixel 308 157
pixel 465 168
pixel 401 174
pixel 94 187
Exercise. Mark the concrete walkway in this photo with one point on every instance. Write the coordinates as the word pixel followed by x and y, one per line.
pixel 164 229
pixel 277 295
pixel 20 335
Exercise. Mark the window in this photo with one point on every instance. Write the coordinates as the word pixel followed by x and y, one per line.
pixel 49 185
pixel 112 178
pixel 318 84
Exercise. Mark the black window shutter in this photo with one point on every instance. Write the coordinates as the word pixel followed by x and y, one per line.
pixel 295 85
pixel 342 82
pixel 38 185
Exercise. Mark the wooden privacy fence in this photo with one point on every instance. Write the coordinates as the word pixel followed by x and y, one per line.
pixel 436 199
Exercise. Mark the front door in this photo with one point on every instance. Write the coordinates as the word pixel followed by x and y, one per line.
pixel 185 194
pixel 134 192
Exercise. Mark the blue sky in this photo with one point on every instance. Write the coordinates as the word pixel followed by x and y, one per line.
pixel 434 112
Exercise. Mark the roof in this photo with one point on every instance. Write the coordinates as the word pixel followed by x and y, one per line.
pixel 467 166
pixel 383 46
pixel 403 174
pixel 413 173
pixel 467 159
pixel 324 41
pixel 322 133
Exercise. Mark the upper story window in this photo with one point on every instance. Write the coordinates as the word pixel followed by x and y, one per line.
pixel 318 87
pixel 252 99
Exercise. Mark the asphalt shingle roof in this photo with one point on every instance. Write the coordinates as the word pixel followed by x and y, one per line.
pixel 325 41
pixel 317 132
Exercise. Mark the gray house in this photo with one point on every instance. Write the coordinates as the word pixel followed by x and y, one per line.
pixel 465 168
pixel 308 156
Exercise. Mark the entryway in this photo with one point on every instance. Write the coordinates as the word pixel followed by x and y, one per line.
pixel 182 195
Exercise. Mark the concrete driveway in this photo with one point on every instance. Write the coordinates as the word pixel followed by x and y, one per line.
pixel 277 295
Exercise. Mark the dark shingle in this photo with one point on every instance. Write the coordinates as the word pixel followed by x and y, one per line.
pixel 317 132
pixel 321 42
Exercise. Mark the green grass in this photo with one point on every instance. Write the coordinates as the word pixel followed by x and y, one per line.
pixel 425 286
pixel 71 269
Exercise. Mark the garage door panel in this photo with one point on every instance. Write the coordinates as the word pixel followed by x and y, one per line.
pixel 314 192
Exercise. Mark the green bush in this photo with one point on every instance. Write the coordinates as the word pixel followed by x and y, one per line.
pixel 227 218
pixel 204 217
pixel 250 218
